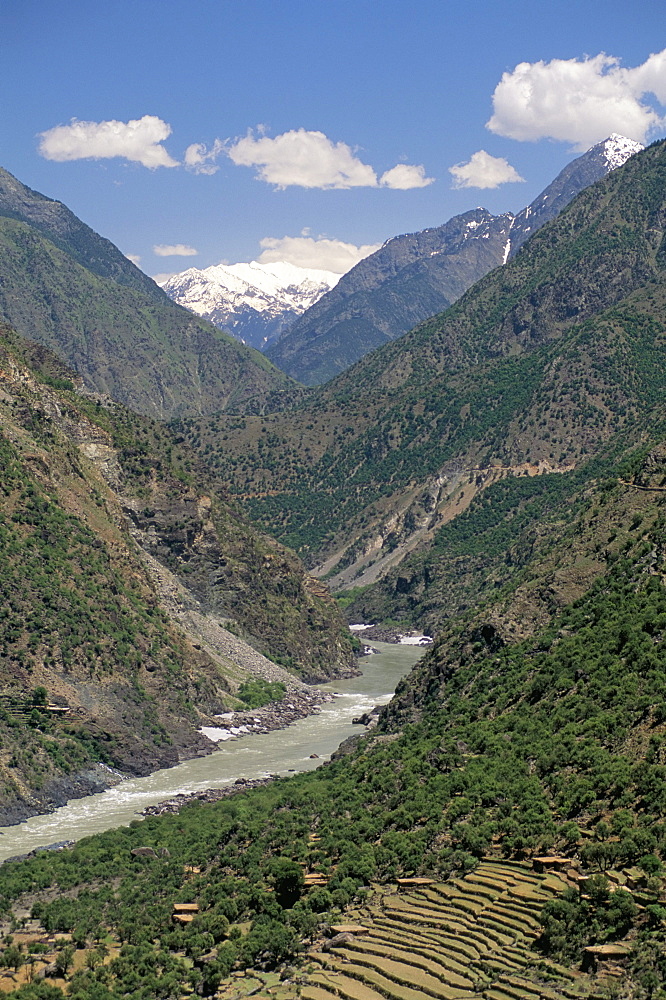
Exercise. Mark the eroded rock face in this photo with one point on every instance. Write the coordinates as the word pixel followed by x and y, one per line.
pixel 246 580
pixel 120 568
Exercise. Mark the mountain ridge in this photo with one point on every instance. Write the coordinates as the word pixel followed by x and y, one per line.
pixel 59 224
pixel 417 275
pixel 533 367
pixel 110 322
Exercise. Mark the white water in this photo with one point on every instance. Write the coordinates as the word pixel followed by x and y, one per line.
pixel 253 756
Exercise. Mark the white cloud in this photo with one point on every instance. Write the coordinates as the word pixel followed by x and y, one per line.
pixel 302 159
pixel 134 257
pixel 137 140
pixel 484 171
pixel 174 250
pixel 404 177
pixel 163 276
pixel 305 251
pixel 579 101
pixel 200 159
pixel 650 76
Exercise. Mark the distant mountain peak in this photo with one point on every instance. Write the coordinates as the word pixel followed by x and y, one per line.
pixel 617 149
pixel 253 301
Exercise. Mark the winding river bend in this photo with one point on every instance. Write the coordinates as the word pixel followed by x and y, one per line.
pixel 253 756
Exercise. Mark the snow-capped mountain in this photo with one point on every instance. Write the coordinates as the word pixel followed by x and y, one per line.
pixel 617 149
pixel 254 302
pixel 414 276
pixel 598 161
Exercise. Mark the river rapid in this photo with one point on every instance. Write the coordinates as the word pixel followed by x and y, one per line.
pixel 253 756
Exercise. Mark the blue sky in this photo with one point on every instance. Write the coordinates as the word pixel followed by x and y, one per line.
pixel 312 120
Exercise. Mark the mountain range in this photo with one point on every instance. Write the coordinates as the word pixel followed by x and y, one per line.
pixel 314 324
pixel 497 474
pixel 415 276
pixel 255 302
pixel 360 474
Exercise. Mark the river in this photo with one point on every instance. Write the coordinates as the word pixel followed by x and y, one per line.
pixel 253 756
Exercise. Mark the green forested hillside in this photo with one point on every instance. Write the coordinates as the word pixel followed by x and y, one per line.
pixel 90 492
pixel 534 370
pixel 553 742
pixel 69 289
pixel 60 226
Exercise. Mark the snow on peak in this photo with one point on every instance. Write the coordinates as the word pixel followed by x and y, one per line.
pixel 277 278
pixel 233 295
pixel 263 287
pixel 617 150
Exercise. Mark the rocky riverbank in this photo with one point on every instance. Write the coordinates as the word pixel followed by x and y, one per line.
pixel 296 704
pixel 175 804
pixel 58 792
pixel 379 633
pixel 283 750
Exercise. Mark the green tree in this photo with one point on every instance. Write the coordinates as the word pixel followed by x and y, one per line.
pixel 39 696
pixel 13 958
pixel 288 881
pixel 64 959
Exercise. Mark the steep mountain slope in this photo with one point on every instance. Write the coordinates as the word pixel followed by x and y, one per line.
pixel 497 748
pixel 585 170
pixel 59 225
pixel 415 276
pixel 120 565
pixel 528 538
pixel 254 302
pixel 74 292
pixel 410 278
pixel 531 372
pixel 583 615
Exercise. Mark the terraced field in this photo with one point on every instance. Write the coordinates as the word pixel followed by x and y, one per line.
pixel 466 939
